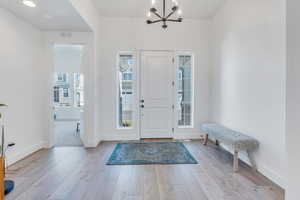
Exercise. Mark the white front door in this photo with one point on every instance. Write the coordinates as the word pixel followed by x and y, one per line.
pixel 156 96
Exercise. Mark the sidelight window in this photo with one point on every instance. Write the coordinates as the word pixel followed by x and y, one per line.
pixel 185 91
pixel 125 90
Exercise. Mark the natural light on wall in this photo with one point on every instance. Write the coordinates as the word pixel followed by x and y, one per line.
pixel 185 91
pixel 29 3
pixel 125 91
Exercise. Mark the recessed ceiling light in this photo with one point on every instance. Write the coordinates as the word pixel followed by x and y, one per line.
pixel 29 3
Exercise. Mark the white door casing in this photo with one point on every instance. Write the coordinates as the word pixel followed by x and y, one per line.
pixel 157 94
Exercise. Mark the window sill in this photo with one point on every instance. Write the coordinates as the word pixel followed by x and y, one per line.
pixel 185 127
pixel 124 128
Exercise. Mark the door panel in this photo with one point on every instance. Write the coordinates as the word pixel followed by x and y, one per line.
pixel 157 75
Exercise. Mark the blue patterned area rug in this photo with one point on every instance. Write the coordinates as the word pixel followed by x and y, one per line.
pixel 151 153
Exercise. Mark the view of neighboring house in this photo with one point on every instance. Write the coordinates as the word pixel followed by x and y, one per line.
pixel 185 93
pixel 125 90
pixel 68 90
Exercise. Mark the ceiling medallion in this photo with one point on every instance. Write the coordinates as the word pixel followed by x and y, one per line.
pixel 164 17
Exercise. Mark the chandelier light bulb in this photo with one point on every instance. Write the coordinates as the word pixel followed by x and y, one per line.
pixel 158 15
pixel 153 2
pixel 175 2
pixel 179 12
pixel 29 3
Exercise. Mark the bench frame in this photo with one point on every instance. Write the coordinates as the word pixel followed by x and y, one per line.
pixel 235 156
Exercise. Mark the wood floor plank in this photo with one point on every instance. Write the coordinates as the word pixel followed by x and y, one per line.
pixel 190 181
pixel 150 183
pixel 170 183
pixel 75 173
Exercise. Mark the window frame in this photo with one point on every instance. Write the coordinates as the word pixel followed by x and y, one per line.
pixel 64 76
pixel 134 89
pixel 66 92
pixel 75 89
pixel 56 94
pixel 177 55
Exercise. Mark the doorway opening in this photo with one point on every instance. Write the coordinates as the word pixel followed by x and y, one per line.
pixel 68 95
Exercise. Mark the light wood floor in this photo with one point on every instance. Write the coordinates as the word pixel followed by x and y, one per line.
pixel 73 173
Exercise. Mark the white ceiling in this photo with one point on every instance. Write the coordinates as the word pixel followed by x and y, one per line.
pixel 61 15
pixel 48 15
pixel 192 9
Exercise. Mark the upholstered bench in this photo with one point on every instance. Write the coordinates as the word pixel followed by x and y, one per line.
pixel 238 141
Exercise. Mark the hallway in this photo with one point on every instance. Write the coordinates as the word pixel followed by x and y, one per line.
pixel 66 134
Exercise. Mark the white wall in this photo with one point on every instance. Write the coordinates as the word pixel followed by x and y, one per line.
pixel 14 36
pixel 248 88
pixel 90 14
pixel 22 85
pixel 68 57
pixel 293 99
pixel 133 35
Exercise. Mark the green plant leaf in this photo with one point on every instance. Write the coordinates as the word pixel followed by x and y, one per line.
pixel 2 105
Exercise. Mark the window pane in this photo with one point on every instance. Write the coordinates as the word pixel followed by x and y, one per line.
pixel 185 91
pixel 62 90
pixel 66 92
pixel 78 90
pixel 125 88
pixel 56 94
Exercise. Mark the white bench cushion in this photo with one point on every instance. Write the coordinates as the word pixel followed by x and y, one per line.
pixel 239 141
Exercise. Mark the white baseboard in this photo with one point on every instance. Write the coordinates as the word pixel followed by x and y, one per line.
pixel 15 157
pixel 118 137
pixel 261 168
pixel 188 136
pixel 272 175
pixel 91 144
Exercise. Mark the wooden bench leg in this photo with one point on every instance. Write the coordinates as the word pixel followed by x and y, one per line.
pixel 252 160
pixel 236 161
pixel 205 139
